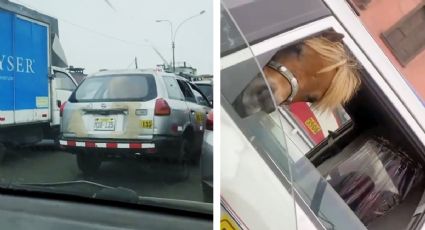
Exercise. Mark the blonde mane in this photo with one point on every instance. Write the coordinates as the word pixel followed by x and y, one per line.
pixel 346 81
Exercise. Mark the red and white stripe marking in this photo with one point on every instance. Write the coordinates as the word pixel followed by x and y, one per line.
pixel 106 145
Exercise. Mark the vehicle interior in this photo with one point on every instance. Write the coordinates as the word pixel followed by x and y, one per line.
pixel 374 120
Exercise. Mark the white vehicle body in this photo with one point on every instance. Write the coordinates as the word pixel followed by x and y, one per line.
pixel 256 192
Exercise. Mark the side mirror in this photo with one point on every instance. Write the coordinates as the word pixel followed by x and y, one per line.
pixel 59 103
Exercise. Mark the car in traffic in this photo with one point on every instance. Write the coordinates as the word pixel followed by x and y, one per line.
pixel 365 174
pixel 206 162
pixel 206 87
pixel 133 114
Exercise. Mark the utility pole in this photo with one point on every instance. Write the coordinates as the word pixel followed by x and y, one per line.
pixel 174 32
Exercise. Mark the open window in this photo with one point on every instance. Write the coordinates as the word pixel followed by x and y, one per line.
pixel 372 158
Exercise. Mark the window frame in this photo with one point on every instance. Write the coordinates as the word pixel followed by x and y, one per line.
pixel 165 78
pixel 182 83
pixel 295 35
pixel 63 76
pixel 197 90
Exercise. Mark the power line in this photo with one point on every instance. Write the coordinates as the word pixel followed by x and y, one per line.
pixel 87 28
pixel 104 34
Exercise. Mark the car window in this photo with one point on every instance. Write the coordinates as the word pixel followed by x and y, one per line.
pixel 201 99
pixel 276 16
pixel 63 82
pixel 123 133
pixel 117 87
pixel 187 91
pixel 173 88
pixel 256 123
pixel 305 127
pixel 207 90
pixel 313 124
pixel 272 131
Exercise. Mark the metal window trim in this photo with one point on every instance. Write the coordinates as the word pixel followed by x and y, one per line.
pixel 381 70
pixel 391 81
pixel 371 65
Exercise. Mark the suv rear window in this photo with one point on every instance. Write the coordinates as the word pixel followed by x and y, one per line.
pixel 134 87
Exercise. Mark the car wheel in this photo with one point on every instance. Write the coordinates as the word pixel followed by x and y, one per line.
pixel 89 164
pixel 188 150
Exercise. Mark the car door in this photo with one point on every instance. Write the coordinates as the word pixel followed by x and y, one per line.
pixel 277 137
pixel 197 114
pixel 313 190
pixel 256 192
pixel 62 87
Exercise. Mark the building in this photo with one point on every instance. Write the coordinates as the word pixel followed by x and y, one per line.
pixel 185 70
pixel 398 26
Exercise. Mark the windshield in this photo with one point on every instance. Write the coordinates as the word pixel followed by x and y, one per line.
pixel 95 100
pixel 117 87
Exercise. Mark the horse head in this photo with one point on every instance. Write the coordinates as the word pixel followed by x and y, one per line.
pixel 325 74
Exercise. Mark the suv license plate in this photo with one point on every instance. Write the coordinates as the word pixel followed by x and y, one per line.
pixel 104 124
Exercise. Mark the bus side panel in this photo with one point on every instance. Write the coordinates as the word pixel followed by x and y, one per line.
pixel 6 76
pixel 31 71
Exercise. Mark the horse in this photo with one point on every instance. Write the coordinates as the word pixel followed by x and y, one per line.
pixel 318 70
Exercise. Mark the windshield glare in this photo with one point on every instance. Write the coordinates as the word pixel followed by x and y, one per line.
pixel 120 87
pixel 94 101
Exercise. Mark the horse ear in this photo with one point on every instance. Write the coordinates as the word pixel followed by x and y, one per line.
pixel 333 36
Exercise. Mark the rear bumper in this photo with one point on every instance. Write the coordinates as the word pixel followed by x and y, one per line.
pixel 165 146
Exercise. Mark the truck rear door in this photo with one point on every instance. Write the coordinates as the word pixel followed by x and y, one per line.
pixel 31 71
pixel 6 77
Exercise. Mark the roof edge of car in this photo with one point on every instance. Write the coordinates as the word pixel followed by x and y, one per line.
pixel 123 71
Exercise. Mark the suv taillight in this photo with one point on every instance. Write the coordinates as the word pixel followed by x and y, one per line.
pixel 210 124
pixel 162 108
pixel 62 108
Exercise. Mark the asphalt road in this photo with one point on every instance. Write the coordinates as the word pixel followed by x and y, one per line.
pixel 147 178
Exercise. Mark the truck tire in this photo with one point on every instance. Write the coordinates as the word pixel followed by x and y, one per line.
pixel 188 148
pixel 89 164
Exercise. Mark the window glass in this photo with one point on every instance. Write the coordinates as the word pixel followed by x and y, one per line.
pixel 173 88
pixel 313 124
pixel 305 127
pixel 93 81
pixel 117 87
pixel 207 90
pixel 272 132
pixel 201 99
pixel 187 91
pixel 63 82
pixel 271 17
pixel 255 122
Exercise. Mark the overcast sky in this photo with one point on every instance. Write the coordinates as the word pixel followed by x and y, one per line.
pixel 97 36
